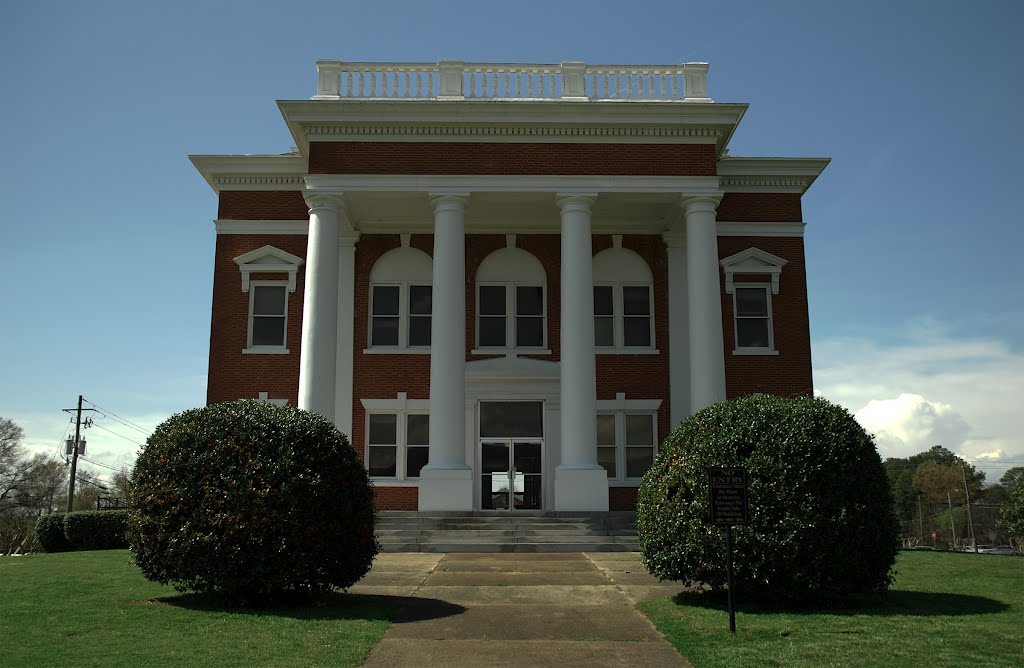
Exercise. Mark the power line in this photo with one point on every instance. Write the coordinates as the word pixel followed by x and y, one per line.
pixel 109 431
pixel 112 468
pixel 124 421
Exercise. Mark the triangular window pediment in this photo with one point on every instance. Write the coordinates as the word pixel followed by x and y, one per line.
pixel 268 260
pixel 752 261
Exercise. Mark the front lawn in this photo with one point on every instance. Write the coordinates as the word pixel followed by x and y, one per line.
pixel 945 609
pixel 96 609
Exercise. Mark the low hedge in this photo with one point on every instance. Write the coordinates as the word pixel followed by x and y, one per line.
pixel 50 533
pixel 83 530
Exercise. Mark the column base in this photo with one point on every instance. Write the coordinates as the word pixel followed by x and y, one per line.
pixel 446 489
pixel 581 489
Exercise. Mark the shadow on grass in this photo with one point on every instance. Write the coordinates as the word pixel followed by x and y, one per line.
pixel 397 609
pixel 890 604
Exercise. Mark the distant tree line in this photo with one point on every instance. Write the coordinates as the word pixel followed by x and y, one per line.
pixel 36 485
pixel 930 492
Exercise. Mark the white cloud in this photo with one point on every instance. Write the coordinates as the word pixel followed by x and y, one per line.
pixel 929 388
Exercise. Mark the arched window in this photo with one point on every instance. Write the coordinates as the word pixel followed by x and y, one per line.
pixel 511 299
pixel 623 301
pixel 400 300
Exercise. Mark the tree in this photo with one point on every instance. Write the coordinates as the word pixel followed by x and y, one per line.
pixel 1012 521
pixel 1012 476
pixel 121 485
pixel 934 481
pixel 13 468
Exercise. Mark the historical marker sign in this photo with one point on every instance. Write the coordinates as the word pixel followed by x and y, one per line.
pixel 729 496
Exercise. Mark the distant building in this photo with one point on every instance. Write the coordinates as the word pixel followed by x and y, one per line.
pixel 508 283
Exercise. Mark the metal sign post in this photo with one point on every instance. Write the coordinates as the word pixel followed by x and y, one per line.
pixel 728 508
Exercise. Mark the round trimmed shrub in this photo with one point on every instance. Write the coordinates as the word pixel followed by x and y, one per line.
pixel 250 500
pixel 821 513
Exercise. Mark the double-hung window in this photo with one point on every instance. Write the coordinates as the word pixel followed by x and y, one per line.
pixel 510 316
pixel 626 443
pixel 268 314
pixel 752 307
pixel 623 316
pixel 397 444
pixel 400 316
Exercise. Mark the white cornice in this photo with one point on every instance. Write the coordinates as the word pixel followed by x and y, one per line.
pixel 513 133
pixel 262 226
pixel 682 185
pixel 762 184
pixel 739 174
pixel 252 172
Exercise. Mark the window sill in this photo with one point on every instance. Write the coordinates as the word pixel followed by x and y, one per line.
pixel 265 350
pixel 509 351
pixel 755 351
pixel 626 351
pixel 396 351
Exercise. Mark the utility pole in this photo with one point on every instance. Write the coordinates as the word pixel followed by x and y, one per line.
pixel 970 520
pixel 920 520
pixel 952 525
pixel 74 453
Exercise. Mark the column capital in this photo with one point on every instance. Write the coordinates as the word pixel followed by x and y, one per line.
pixel 575 201
pixel 320 201
pixel 441 201
pixel 348 238
pixel 692 203
pixel 674 239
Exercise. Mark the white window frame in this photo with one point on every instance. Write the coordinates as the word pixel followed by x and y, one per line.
pixel 753 350
pixel 511 318
pixel 404 317
pixel 756 262
pixel 620 407
pixel 619 319
pixel 281 349
pixel 401 407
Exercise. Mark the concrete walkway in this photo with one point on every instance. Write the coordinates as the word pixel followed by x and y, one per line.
pixel 551 609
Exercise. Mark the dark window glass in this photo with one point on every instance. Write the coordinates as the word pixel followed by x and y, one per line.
pixel 752 333
pixel 639 430
pixel 268 331
pixel 417 430
pixel 636 300
pixel 636 331
pixel 604 331
pixel 383 429
pixel 492 331
pixel 415 459
pixel 492 300
pixel 419 299
pixel 385 300
pixel 419 330
pixel 529 332
pixel 514 419
pixel 268 300
pixel 638 460
pixel 603 302
pixel 529 300
pixel 385 331
pixel 752 302
pixel 606 430
pixel 606 458
pixel 383 461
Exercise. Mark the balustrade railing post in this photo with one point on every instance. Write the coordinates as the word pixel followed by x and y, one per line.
pixel 328 80
pixel 696 82
pixel 574 84
pixel 451 76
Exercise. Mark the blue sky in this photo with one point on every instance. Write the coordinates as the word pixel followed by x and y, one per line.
pixel 913 234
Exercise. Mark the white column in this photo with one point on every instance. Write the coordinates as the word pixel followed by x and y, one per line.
pixel 446 483
pixel 707 357
pixel 580 483
pixel 346 332
pixel 317 362
pixel 678 327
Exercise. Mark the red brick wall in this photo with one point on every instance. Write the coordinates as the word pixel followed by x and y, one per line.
pixel 511 158
pixel 760 208
pixel 262 205
pixel 233 375
pixel 622 498
pixel 789 372
pixel 396 498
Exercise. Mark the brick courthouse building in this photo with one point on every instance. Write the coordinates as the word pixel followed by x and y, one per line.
pixel 507 283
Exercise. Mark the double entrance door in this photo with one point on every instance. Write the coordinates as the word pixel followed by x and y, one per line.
pixel 510 474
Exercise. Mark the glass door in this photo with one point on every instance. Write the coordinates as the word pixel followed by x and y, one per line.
pixel 511 477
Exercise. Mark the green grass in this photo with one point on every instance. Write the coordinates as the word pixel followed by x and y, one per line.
pixel 945 609
pixel 96 609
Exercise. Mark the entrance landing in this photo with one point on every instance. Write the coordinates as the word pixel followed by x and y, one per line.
pixel 567 609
